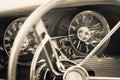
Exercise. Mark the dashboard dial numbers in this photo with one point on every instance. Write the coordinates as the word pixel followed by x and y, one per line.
pixel 86 30
pixel 30 41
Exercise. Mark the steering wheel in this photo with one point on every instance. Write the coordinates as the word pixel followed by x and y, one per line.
pixel 54 64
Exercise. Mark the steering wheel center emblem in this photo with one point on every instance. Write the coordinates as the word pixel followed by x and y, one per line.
pixel 72 75
pixel 76 73
pixel 84 33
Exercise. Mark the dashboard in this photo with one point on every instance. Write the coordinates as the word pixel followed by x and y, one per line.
pixel 76 31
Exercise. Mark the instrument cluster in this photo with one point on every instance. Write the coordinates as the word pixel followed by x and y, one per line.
pixel 75 35
pixel 84 31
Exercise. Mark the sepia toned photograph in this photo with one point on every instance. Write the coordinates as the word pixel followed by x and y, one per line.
pixel 59 40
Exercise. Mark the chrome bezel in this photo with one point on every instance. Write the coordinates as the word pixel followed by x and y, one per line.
pixel 22 19
pixel 101 18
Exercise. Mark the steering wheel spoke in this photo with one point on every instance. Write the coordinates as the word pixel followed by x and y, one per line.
pixel 100 44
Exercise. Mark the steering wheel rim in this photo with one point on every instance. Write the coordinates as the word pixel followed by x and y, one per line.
pixel 28 24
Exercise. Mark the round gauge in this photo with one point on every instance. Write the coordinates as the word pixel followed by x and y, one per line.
pixel 86 30
pixel 30 41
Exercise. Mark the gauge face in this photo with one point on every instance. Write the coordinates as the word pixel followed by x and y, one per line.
pixel 30 41
pixel 86 30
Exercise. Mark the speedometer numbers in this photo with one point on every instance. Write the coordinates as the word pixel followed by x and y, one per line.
pixel 86 30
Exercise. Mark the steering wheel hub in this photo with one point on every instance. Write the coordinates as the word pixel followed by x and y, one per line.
pixel 84 33
pixel 72 76
pixel 76 73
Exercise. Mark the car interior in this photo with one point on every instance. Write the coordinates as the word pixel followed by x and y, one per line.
pixel 61 40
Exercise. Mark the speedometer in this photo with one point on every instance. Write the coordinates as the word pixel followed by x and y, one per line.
pixel 29 44
pixel 86 30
